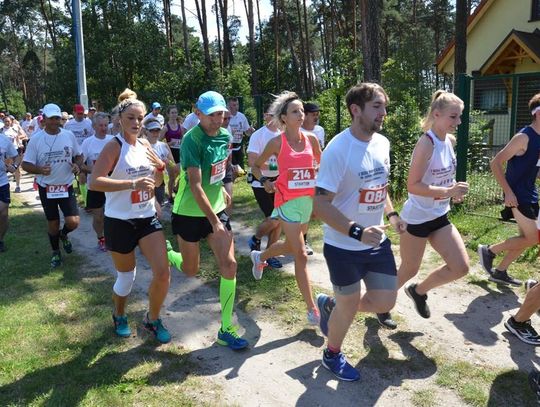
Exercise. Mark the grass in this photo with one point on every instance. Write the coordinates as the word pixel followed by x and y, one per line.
pixel 56 341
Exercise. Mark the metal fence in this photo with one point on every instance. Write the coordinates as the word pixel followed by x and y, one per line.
pixel 495 109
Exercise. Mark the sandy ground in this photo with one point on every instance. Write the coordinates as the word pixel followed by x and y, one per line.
pixel 282 368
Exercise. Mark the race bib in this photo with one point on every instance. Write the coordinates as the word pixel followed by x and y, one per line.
pixel 218 171
pixel 299 178
pixel 57 191
pixel 175 143
pixel 140 200
pixel 372 200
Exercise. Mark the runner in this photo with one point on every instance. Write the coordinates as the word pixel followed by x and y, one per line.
pixel 294 190
pixel 190 121
pixel 239 126
pixel 269 227
pixel 520 196
pixel 155 114
pixel 153 129
pixel 16 136
pixel 311 122
pixel 9 162
pixel 173 135
pixel 130 215
pixel 53 154
pixel 351 199
pixel 199 205
pixel 91 148
pixel 228 180
pixel 431 186
pixel 114 126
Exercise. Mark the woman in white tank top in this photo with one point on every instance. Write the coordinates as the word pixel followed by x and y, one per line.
pixel 127 171
pixel 431 185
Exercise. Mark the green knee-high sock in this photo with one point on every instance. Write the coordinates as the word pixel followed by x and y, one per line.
pixel 175 259
pixel 84 190
pixel 227 290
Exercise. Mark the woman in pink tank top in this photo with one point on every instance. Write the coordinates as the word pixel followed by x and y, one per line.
pixel 294 190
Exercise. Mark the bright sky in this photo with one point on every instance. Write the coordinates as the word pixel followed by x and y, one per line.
pixel 236 7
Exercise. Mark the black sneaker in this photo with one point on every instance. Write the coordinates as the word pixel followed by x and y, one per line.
pixel 486 257
pixel 502 277
pixel 254 244
pixel 523 330
pixel 309 250
pixel 386 321
pixel 420 301
pixel 66 244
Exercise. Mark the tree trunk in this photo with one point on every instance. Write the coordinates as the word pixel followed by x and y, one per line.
pixel 201 16
pixel 168 27
pixel 248 5
pixel 276 42
pixel 220 55
pixel 187 53
pixel 460 54
pixel 228 57
pixel 294 57
pixel 371 11
pixel 311 87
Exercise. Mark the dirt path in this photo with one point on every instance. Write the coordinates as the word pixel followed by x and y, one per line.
pixel 282 368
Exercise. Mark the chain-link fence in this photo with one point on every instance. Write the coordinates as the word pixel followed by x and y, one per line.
pixel 496 108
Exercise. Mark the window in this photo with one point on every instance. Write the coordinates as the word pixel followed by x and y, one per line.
pixel 535 10
pixel 490 96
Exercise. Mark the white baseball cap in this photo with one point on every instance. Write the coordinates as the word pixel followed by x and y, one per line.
pixel 52 110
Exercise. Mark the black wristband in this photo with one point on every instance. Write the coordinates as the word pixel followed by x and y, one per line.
pixel 263 179
pixel 356 231
pixel 389 215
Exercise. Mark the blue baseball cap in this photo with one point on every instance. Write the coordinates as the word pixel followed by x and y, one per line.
pixel 211 102
pixel 156 105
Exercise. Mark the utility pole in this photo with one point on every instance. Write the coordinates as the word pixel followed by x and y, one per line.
pixel 79 50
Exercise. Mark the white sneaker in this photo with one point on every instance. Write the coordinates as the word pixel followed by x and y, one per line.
pixel 258 265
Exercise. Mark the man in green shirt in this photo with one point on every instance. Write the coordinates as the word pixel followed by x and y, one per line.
pixel 199 207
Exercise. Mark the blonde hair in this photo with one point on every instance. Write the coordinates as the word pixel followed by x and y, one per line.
pixel 126 99
pixel 279 107
pixel 440 100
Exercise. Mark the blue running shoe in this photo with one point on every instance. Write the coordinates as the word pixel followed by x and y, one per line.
pixel 66 244
pixel 157 329
pixel 56 260
pixel 339 366
pixel 121 327
pixel 254 243
pixel 274 263
pixel 325 304
pixel 230 338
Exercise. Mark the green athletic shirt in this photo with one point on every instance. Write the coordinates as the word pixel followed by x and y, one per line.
pixel 210 155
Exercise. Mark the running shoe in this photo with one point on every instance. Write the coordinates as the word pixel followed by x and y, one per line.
pixel 274 263
pixel 17 190
pixel 339 366
pixel 325 304
pixel 66 244
pixel 101 244
pixel 502 277
pixel 56 260
pixel 258 265
pixel 157 329
pixel 309 250
pixel 230 338
pixel 2 247
pixel 386 321
pixel 121 327
pixel 486 257
pixel 254 243
pixel 314 317
pixel 420 301
pixel 523 330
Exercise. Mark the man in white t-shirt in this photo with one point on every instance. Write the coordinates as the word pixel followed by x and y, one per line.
pixel 190 121
pixel 351 198
pixel 239 126
pixel 9 162
pixel 53 154
pixel 311 122
pixel 155 114
pixel 268 227
pixel 90 149
pixel 25 124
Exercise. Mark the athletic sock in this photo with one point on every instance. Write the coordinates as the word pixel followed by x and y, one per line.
pixel 331 352
pixel 55 242
pixel 65 230
pixel 175 259
pixel 84 192
pixel 227 290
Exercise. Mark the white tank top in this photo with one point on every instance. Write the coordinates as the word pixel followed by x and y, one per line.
pixel 441 172
pixel 132 164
